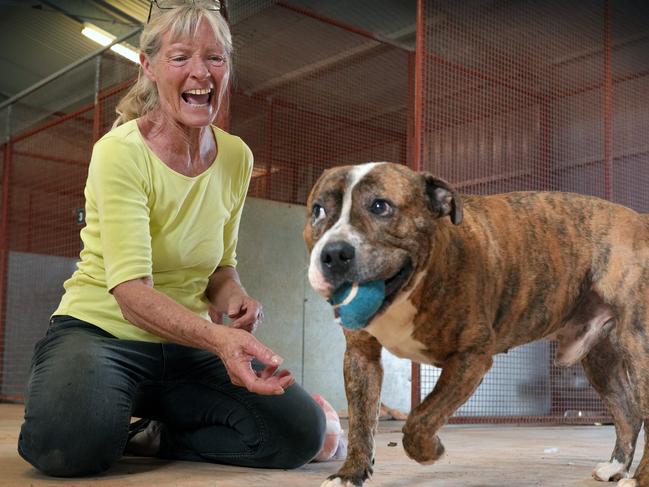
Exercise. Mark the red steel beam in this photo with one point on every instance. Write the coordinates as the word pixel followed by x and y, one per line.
pixel 525 173
pixel 52 123
pixel 479 74
pixel 75 113
pixel 597 86
pixel 8 398
pixel 46 157
pixel 375 145
pixel 339 23
pixel 532 103
pixel 51 188
pixel 343 120
pixel 116 89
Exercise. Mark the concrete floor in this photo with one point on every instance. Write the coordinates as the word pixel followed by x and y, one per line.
pixel 477 456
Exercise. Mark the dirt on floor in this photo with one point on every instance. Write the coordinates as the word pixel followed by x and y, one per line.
pixel 476 456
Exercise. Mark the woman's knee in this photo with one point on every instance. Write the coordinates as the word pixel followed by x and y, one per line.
pixel 78 405
pixel 65 450
pixel 302 436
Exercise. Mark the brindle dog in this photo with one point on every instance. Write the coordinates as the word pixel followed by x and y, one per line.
pixel 468 277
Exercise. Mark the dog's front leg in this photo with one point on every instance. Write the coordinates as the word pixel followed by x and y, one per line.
pixel 461 375
pixel 363 377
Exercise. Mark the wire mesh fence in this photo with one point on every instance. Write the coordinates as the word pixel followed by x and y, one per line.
pixel 536 96
pixel 499 96
pixel 335 97
pixel 48 141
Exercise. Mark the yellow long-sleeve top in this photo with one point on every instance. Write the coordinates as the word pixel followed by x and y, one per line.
pixel 145 219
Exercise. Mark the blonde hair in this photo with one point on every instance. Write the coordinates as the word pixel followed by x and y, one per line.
pixel 180 23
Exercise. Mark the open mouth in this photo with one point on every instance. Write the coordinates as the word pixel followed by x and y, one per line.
pixel 357 304
pixel 394 284
pixel 197 98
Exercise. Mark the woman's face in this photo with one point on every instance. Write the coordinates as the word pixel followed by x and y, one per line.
pixel 191 75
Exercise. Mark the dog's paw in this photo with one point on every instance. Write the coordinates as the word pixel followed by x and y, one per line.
pixel 338 482
pixel 422 448
pixel 348 477
pixel 610 471
pixel 627 483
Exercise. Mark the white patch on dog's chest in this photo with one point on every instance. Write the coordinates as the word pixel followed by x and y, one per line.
pixel 393 329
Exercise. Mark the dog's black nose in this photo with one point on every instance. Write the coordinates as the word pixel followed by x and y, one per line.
pixel 337 257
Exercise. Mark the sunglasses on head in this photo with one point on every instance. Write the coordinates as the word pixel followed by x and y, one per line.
pixel 214 5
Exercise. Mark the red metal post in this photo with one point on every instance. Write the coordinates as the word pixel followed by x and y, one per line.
pixel 410 117
pixel 269 149
pixel 608 104
pixel 545 146
pixel 4 247
pixel 417 163
pixel 418 109
pixel 96 119
pixel 30 219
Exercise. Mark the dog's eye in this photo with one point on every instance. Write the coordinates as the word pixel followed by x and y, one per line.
pixel 318 213
pixel 381 208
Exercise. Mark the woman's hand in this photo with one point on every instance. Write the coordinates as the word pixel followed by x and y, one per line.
pixel 238 350
pixel 245 312
pixel 156 313
pixel 227 296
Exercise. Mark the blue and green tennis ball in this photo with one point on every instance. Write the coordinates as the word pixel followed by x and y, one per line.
pixel 356 303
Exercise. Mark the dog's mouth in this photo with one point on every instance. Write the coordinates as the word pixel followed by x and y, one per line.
pixel 394 284
pixel 390 289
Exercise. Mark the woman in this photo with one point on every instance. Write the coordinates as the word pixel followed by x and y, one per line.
pixel 132 336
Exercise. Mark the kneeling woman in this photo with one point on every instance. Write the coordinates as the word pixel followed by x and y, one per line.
pixel 132 335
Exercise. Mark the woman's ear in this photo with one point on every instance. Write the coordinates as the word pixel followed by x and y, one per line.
pixel 146 66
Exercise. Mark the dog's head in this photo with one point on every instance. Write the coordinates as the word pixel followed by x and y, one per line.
pixel 372 222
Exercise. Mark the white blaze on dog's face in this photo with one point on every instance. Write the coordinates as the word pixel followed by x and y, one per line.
pixel 334 207
pixel 370 222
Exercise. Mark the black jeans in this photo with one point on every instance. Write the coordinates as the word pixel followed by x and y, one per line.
pixel 86 384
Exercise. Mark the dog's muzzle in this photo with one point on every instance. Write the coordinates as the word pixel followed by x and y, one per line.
pixel 337 261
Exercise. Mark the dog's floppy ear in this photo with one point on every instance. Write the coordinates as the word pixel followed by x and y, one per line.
pixel 443 199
